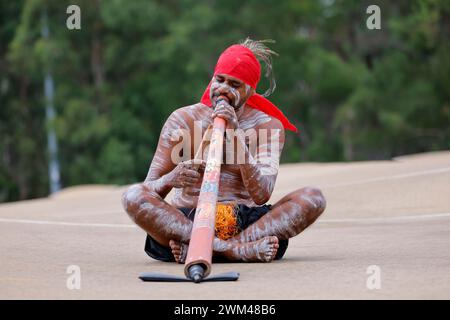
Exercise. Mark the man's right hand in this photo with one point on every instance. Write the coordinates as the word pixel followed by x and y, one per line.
pixel 186 173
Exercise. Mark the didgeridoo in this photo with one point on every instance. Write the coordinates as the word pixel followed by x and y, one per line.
pixel 199 256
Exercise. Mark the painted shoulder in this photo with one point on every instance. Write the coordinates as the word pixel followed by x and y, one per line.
pixel 195 111
pixel 258 119
pixel 184 117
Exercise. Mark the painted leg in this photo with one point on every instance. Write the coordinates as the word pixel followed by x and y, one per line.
pixel 288 217
pixel 158 218
pixel 171 228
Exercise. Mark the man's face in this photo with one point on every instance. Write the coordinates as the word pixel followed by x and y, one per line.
pixel 235 91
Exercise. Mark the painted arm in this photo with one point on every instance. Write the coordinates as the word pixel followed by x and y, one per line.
pixel 167 169
pixel 259 172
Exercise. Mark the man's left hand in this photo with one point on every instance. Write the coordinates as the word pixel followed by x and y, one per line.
pixel 226 112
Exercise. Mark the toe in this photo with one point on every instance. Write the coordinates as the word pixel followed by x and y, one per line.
pixel 274 254
pixel 174 245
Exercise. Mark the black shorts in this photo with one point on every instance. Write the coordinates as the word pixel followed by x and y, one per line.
pixel 246 216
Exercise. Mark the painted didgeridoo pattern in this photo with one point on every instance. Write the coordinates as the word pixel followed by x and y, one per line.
pixel 202 236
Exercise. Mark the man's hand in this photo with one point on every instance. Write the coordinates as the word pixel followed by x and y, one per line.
pixel 186 173
pixel 226 112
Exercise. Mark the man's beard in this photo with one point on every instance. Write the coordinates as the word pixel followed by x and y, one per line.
pixel 235 107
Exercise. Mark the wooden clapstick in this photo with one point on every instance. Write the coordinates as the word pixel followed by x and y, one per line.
pixel 199 256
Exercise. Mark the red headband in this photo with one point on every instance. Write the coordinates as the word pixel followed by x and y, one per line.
pixel 240 62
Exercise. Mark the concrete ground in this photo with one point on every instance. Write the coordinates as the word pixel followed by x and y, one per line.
pixel 384 218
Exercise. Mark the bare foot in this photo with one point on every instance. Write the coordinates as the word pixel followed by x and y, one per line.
pixel 179 250
pixel 262 250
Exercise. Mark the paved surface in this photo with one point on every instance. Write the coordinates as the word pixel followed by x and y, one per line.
pixel 391 214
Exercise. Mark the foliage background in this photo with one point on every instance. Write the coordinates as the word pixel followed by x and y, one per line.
pixel 354 93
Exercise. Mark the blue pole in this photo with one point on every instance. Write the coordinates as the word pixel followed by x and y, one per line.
pixel 50 114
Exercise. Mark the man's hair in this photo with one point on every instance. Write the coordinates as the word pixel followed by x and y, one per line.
pixel 263 53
